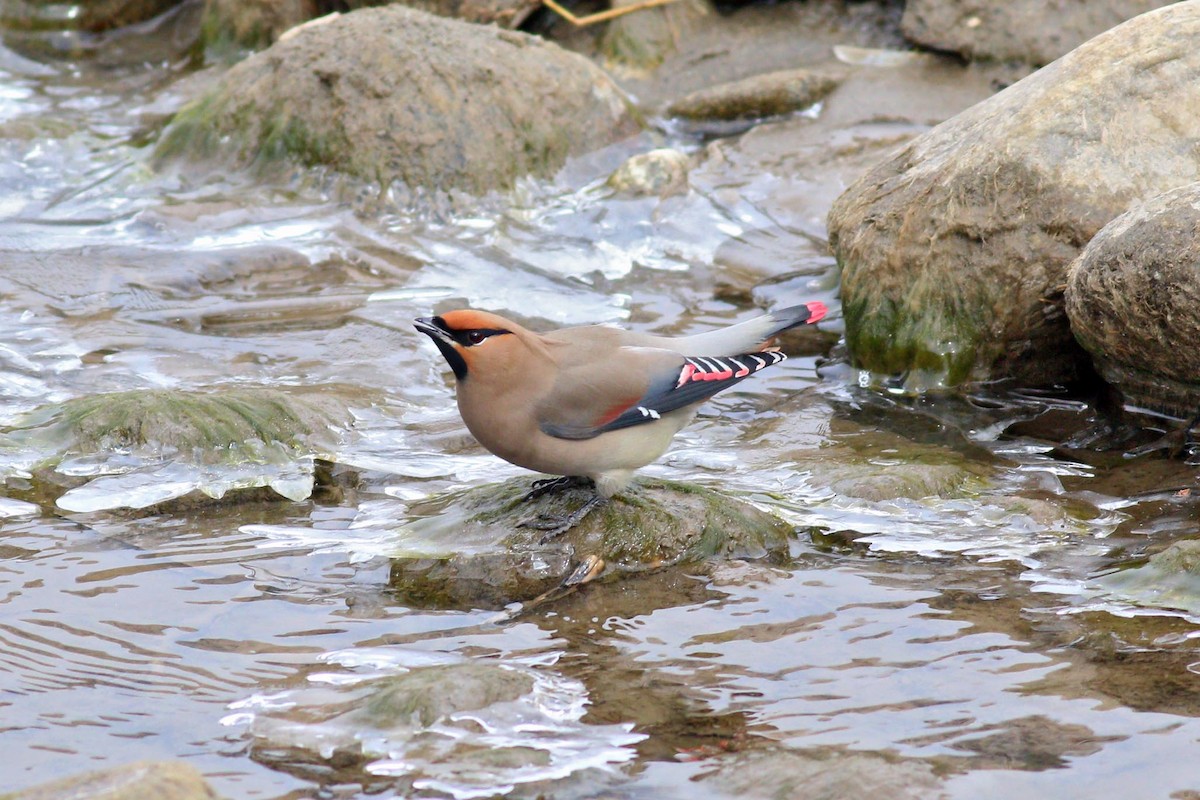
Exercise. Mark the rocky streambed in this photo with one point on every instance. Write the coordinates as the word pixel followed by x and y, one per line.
pixel 945 550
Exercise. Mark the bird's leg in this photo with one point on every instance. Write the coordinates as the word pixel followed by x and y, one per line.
pixel 547 486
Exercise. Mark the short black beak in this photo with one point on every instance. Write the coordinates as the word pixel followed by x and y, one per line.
pixel 445 342
pixel 429 327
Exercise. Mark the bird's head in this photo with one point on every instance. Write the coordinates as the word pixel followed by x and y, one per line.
pixel 471 340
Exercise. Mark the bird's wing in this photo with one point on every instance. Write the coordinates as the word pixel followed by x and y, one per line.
pixel 637 385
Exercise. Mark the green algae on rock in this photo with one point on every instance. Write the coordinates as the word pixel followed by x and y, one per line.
pixel 141 448
pixel 954 251
pixel 394 94
pixel 482 546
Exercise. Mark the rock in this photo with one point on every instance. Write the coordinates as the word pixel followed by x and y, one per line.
pixel 753 98
pixel 162 780
pixel 108 33
pixel 1131 298
pixel 255 24
pixel 857 467
pixel 954 251
pixel 1170 579
pixel 392 94
pixel 472 549
pixel 142 448
pixel 93 16
pixel 1032 31
pixel 252 23
pixel 659 172
pixel 437 723
pixel 642 39
pixel 421 697
pixel 777 772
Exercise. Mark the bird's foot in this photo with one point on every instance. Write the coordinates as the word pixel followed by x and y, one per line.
pixel 556 525
pixel 547 486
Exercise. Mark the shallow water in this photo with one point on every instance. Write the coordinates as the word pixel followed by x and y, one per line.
pixel 945 622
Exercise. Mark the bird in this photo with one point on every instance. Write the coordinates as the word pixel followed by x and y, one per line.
pixel 593 403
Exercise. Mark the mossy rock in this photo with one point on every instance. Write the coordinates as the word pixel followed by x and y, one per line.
pixel 394 95
pixel 475 547
pixel 954 250
pixel 202 424
pixel 164 441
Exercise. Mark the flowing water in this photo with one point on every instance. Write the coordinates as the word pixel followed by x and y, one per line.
pixel 955 618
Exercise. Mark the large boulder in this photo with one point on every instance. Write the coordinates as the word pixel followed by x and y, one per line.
pixel 954 250
pixel 1131 297
pixel 1031 31
pixel 393 94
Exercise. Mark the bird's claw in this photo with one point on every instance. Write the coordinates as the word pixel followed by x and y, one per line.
pixel 545 486
pixel 556 525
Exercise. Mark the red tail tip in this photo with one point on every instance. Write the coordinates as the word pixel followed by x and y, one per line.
pixel 816 311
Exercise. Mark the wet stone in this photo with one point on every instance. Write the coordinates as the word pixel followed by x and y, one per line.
pixel 760 96
pixel 779 773
pixel 161 780
pixel 459 728
pixel 141 448
pixel 659 172
pixel 423 696
pixel 1169 579
pixel 472 548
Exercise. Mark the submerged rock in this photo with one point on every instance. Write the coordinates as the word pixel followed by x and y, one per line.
pixel 1132 300
pixel 1169 579
pixel 878 466
pixel 484 546
pixel 776 772
pixel 141 448
pixel 393 94
pixel 161 780
pixel 439 723
pixel 1032 31
pixel 954 251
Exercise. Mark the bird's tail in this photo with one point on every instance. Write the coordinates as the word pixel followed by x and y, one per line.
pixel 749 336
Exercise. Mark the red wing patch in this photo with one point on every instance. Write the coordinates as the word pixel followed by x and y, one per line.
pixel 615 411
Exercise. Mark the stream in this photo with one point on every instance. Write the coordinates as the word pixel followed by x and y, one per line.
pixel 969 608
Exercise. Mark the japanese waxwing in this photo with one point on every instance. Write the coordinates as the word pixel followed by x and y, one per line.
pixel 595 401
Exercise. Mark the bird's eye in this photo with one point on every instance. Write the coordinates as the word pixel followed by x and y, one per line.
pixel 476 337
